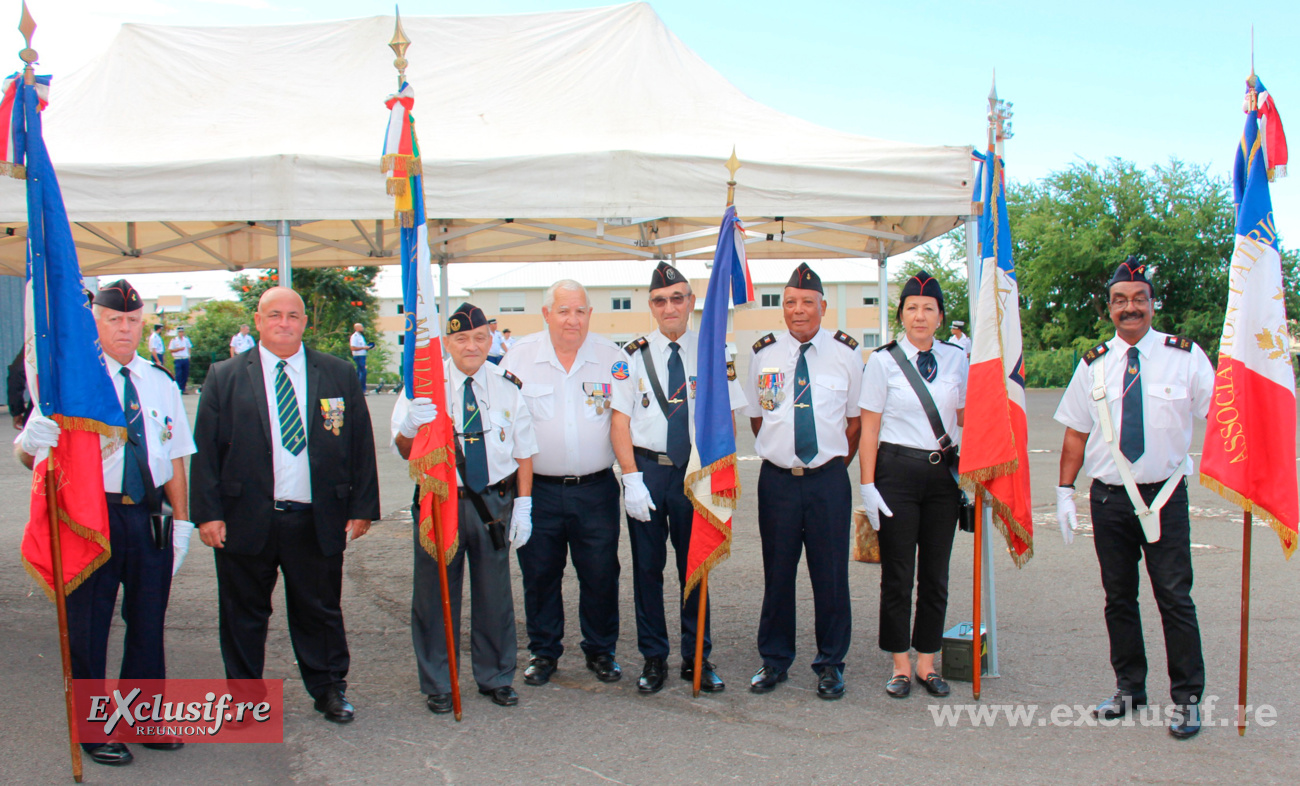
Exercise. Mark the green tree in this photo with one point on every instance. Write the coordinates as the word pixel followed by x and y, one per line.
pixel 211 331
pixel 945 259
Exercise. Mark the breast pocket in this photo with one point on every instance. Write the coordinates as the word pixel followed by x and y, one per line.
pixel 502 426
pixel 158 432
pixel 830 393
pixel 1166 402
pixel 540 400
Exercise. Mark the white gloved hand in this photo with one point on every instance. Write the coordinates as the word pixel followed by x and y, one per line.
pixel 422 411
pixel 874 504
pixel 1066 514
pixel 521 521
pixel 40 432
pixel 636 497
pixel 181 531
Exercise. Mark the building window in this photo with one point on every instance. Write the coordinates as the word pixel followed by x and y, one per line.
pixel 622 303
pixel 870 340
pixel 771 301
pixel 510 302
pixel 400 308
pixel 870 301
pixel 401 339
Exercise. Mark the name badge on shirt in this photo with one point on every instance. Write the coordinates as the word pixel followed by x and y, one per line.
pixel 771 384
pixel 598 396
pixel 332 409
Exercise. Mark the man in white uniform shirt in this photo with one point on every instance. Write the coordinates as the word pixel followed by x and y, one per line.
pixel 360 347
pixel 568 386
pixel 241 341
pixel 494 482
pixel 156 348
pixel 180 347
pixel 1153 384
pixel 138 473
pixel 960 338
pixel 498 349
pixel 652 429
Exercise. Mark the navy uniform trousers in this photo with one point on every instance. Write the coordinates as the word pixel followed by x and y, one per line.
pixel 794 513
pixel 671 520
pixel 493 649
pixel 582 520
pixel 1120 545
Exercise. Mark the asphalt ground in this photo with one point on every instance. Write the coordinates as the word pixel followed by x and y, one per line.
pixel 576 730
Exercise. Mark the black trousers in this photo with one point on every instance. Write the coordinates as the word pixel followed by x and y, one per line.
pixel 1121 545
pixel 794 513
pixel 313 587
pixel 582 521
pixel 915 545
pixel 670 521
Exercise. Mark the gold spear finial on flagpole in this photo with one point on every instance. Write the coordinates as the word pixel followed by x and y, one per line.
pixel 27 26
pixel 732 165
pixel 399 44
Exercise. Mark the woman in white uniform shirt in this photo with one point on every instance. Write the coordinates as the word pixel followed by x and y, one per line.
pixel 909 490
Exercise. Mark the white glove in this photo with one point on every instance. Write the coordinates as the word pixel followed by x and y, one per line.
pixel 422 411
pixel 181 531
pixel 40 432
pixel 874 504
pixel 636 497
pixel 521 521
pixel 1066 515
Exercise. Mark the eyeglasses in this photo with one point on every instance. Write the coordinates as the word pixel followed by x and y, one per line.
pixel 1139 302
pixel 659 302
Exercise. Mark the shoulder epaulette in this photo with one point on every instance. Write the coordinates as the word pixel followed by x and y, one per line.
pixel 764 341
pixel 164 370
pixel 1095 353
pixel 888 346
pixel 512 379
pixel 633 347
pixel 1179 342
pixel 731 371
pixel 846 339
pixel 949 343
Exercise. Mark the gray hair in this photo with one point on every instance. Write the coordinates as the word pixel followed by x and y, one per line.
pixel 568 285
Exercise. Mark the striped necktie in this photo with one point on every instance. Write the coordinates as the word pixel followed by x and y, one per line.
pixel 292 435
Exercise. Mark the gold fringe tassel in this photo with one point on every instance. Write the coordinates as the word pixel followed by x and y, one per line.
pixel 80 578
pixel 401 162
pixel 1003 518
pixel 87 424
pixel 1284 533
pixel 16 171
pixel 727 500
pixel 431 546
pixel 398 186
pixel 423 465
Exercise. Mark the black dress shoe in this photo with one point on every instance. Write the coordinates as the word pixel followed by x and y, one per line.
pixel 1119 705
pixel 831 684
pixel 710 682
pixel 164 746
pixel 503 696
pixel 335 706
pixel 438 703
pixel 606 668
pixel 766 679
pixel 899 686
pixel 1186 721
pixel 539 671
pixel 934 684
pixel 652 676
pixel 114 754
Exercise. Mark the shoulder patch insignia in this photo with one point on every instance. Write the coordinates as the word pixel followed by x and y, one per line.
pixel 949 343
pixel 888 346
pixel 164 370
pixel 1179 342
pixel 512 379
pixel 764 341
pixel 1095 353
pixel 633 347
pixel 731 371
pixel 846 339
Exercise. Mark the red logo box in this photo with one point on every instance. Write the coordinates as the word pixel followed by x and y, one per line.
pixel 180 710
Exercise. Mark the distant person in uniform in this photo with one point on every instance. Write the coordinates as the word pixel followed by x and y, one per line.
pixel 241 341
pixel 180 347
pixel 507 340
pixel 156 348
pixel 960 338
pixel 498 349
pixel 360 347
pixel 19 403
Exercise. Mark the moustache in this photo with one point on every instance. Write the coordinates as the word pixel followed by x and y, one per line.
pixel 1131 315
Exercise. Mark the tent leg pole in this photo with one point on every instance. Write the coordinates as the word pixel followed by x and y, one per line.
pixel 882 299
pixel 990 594
pixel 972 274
pixel 444 294
pixel 284 268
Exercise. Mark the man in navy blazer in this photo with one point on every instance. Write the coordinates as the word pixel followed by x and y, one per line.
pixel 285 473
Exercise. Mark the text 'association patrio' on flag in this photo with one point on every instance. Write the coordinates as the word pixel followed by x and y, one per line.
pixel 1249 455
pixel 994 450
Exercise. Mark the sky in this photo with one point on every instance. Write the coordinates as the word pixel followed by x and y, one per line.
pixel 1143 80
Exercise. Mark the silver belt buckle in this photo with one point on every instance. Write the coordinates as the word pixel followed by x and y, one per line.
pixel 797 471
pixel 663 460
pixel 935 457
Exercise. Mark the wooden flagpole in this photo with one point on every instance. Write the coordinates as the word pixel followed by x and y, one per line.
pixel 699 633
pixel 1242 670
pixel 977 643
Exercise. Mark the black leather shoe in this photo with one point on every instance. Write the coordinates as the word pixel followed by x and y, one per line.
pixel 438 703
pixel 934 684
pixel 831 684
pixel 335 706
pixel 899 686
pixel 1186 721
pixel 652 676
pixel 765 679
pixel 164 746
pixel 1119 705
pixel 503 696
pixel 114 754
pixel 606 668
pixel 539 671
pixel 710 682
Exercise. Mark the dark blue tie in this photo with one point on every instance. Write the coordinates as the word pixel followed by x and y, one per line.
pixel 805 424
pixel 927 365
pixel 1131 442
pixel 476 468
pixel 134 483
pixel 679 411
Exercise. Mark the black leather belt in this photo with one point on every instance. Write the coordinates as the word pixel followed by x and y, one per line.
pixel 928 456
pixel 1141 486
pixel 803 472
pixel 573 480
pixel 500 487
pixel 653 455
pixel 290 506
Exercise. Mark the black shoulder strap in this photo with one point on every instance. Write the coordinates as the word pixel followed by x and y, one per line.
pixel 923 393
pixel 480 507
pixel 654 378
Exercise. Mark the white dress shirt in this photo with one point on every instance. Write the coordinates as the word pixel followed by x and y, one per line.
pixel 836 381
pixel 292 473
pixel 242 342
pixel 156 344
pixel 635 397
pixel 498 344
pixel 570 409
pixel 358 343
pixel 180 347
pixel 903 421
pixel 963 341
pixel 507 424
pixel 1176 384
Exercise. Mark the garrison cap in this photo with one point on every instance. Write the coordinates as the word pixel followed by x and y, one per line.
pixel 1131 270
pixel 803 277
pixel 923 285
pixel 665 275
pixel 118 296
pixel 467 317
